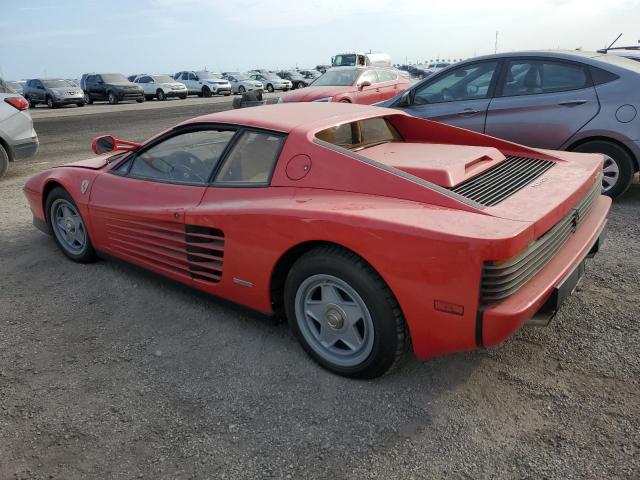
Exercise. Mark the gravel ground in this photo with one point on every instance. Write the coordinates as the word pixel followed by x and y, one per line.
pixel 107 371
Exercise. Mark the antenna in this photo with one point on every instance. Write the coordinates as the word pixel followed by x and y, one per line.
pixel 495 47
pixel 612 43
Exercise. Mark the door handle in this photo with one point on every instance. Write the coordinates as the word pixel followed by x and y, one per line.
pixel 572 103
pixel 467 112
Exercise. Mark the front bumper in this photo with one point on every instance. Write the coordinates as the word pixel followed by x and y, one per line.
pixel 176 93
pixel 68 100
pixel 541 297
pixel 126 95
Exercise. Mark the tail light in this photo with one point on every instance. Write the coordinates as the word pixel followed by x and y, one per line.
pixel 17 102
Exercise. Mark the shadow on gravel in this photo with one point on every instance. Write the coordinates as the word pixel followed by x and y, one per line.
pixel 121 371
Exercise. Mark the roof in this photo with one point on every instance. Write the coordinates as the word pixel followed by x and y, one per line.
pixel 284 117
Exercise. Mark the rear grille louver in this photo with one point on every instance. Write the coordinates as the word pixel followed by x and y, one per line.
pixel 503 279
pixel 190 251
pixel 500 182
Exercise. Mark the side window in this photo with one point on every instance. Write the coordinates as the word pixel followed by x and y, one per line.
pixel 252 159
pixel 469 82
pixel 369 76
pixel 185 158
pixel 530 77
pixel 192 76
pixel 387 76
pixel 91 79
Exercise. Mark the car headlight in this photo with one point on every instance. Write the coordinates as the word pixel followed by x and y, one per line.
pixel 324 99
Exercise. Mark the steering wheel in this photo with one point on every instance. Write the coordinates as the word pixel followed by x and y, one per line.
pixel 447 95
pixel 186 166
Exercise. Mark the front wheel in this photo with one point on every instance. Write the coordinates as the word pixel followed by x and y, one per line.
pixel 87 99
pixel 241 89
pixel 182 97
pixel 161 95
pixel 113 100
pixel 344 314
pixel 206 92
pixel 301 84
pixel 269 88
pixel 617 170
pixel 68 227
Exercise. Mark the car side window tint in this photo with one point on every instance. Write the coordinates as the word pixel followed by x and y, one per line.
pixel 386 76
pixel 369 76
pixel 530 77
pixel 192 76
pixel 185 158
pixel 251 160
pixel 469 82
pixel 91 79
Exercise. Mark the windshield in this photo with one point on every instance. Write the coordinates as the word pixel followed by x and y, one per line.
pixel 205 75
pixel 344 60
pixel 337 78
pixel 163 79
pixel 271 76
pixel 15 86
pixel 295 75
pixel 241 77
pixel 113 77
pixel 57 83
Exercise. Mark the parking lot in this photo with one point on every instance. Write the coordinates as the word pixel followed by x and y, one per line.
pixel 107 371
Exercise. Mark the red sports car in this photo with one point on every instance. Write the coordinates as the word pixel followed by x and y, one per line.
pixel 369 229
pixel 364 85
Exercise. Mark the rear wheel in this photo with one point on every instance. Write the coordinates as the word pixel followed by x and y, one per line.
pixel 4 161
pixel 301 84
pixel 32 104
pixel 344 314
pixel 161 95
pixel 68 227
pixel 617 169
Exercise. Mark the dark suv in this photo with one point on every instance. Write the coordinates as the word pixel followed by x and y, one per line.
pixel 53 92
pixel 112 87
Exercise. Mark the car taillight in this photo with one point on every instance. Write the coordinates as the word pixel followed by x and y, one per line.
pixel 17 102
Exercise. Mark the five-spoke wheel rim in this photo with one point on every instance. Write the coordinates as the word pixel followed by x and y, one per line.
pixel 610 174
pixel 334 320
pixel 68 227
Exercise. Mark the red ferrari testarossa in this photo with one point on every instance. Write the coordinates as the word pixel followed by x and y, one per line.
pixel 369 229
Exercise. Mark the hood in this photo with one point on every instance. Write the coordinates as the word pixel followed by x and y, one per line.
pixel 93 163
pixel 174 84
pixel 123 84
pixel 309 94
pixel 217 81
pixel 75 90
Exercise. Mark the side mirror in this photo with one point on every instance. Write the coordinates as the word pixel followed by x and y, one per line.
pixel 40 87
pixel 364 84
pixel 404 100
pixel 196 77
pixel 109 143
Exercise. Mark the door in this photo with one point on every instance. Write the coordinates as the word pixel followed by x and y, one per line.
pixel 458 97
pixel 138 209
pixel 97 88
pixel 39 91
pixel 388 84
pixel 371 93
pixel 542 103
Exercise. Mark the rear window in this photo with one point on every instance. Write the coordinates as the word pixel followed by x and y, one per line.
pixel 362 134
pixel 621 62
pixel 4 88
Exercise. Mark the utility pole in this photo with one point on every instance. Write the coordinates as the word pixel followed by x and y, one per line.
pixel 495 48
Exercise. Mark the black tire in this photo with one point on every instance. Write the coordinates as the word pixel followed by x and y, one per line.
pixel 50 102
pixel 160 95
pixel 241 89
pixel 621 159
pixel 80 104
pixel 206 92
pixel 345 101
pixel 285 89
pixel 112 98
pixel 4 161
pixel 226 94
pixel 390 335
pixel 141 100
pixel 86 254
pixel 87 99
pixel 182 97
pixel 301 84
pixel 32 104
pixel 269 88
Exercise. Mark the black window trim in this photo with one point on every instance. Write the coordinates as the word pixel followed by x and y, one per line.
pixel 197 127
pixel 492 86
pixel 508 60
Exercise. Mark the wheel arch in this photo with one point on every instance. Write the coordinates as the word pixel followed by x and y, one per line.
pixel 603 138
pixel 7 148
pixel 288 258
pixel 46 190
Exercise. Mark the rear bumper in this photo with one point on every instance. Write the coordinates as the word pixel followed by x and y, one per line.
pixel 499 321
pixel 25 149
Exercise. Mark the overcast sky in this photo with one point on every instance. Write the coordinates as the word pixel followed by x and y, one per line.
pixel 65 38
